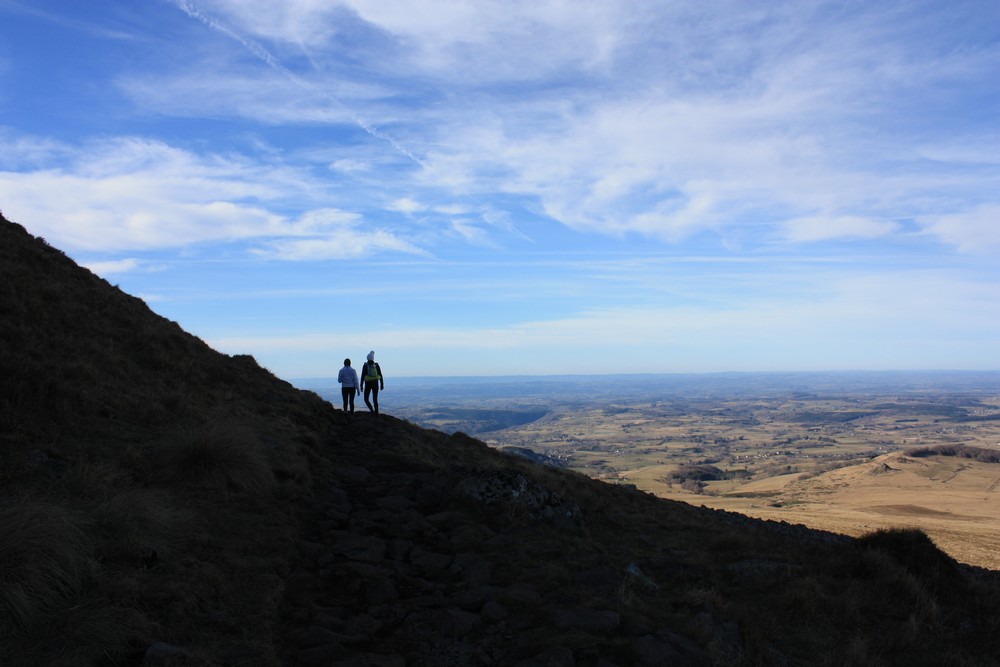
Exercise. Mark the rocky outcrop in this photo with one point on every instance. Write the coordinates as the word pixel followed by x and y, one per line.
pixel 511 491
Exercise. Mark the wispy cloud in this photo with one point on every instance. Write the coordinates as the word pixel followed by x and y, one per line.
pixel 135 194
pixel 340 244
pixel 973 231
pixel 756 125
pixel 113 267
pixel 808 114
pixel 823 228
pixel 406 205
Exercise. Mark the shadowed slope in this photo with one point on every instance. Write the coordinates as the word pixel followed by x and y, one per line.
pixel 180 470
pixel 166 503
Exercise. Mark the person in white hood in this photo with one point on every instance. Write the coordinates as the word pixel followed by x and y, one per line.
pixel 372 382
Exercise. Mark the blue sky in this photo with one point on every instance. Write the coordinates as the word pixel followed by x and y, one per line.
pixel 493 188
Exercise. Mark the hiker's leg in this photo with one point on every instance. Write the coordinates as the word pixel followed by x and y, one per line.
pixel 344 394
pixel 375 396
pixel 368 391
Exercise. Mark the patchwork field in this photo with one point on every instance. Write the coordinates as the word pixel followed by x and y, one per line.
pixel 839 465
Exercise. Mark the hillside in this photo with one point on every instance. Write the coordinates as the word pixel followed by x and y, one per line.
pixel 165 504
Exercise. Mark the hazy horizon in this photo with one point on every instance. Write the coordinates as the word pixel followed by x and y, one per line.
pixel 523 188
pixel 413 390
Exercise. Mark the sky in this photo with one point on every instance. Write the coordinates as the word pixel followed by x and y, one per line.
pixel 523 187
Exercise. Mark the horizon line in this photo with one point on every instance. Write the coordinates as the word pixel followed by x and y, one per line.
pixel 670 373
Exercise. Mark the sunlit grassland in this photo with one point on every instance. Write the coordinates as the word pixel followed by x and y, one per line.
pixel 837 464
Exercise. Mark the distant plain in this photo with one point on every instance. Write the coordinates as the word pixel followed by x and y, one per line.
pixel 845 452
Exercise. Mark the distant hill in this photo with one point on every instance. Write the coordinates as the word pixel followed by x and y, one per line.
pixel 949 491
pixel 165 504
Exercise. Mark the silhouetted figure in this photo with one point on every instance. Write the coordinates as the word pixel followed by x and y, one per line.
pixel 371 379
pixel 348 379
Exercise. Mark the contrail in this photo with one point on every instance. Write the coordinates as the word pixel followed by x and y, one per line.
pixel 501 218
pixel 263 55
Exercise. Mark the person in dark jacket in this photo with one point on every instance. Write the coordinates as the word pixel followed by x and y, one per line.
pixel 372 381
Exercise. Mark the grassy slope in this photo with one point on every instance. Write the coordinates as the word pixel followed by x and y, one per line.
pixel 144 475
pixel 153 490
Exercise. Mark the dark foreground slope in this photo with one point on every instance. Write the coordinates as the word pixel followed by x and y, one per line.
pixel 162 503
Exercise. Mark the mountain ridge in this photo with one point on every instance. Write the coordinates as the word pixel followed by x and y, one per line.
pixel 164 503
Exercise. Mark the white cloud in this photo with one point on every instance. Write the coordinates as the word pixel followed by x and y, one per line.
pixel 318 220
pixel 294 21
pixel 105 269
pixel 342 244
pixel 19 151
pixel 406 205
pixel 127 212
pixel 453 39
pixel 974 231
pixel 964 150
pixel 453 209
pixel 132 194
pixel 350 166
pixel 470 232
pixel 825 228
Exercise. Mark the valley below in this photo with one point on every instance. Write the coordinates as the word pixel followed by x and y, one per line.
pixel 848 453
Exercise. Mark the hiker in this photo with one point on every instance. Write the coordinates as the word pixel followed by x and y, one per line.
pixel 371 380
pixel 348 379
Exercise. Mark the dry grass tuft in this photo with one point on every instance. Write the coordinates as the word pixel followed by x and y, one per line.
pixel 44 558
pixel 138 523
pixel 226 458
pixel 90 480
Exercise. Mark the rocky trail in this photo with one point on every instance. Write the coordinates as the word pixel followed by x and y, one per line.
pixel 414 567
